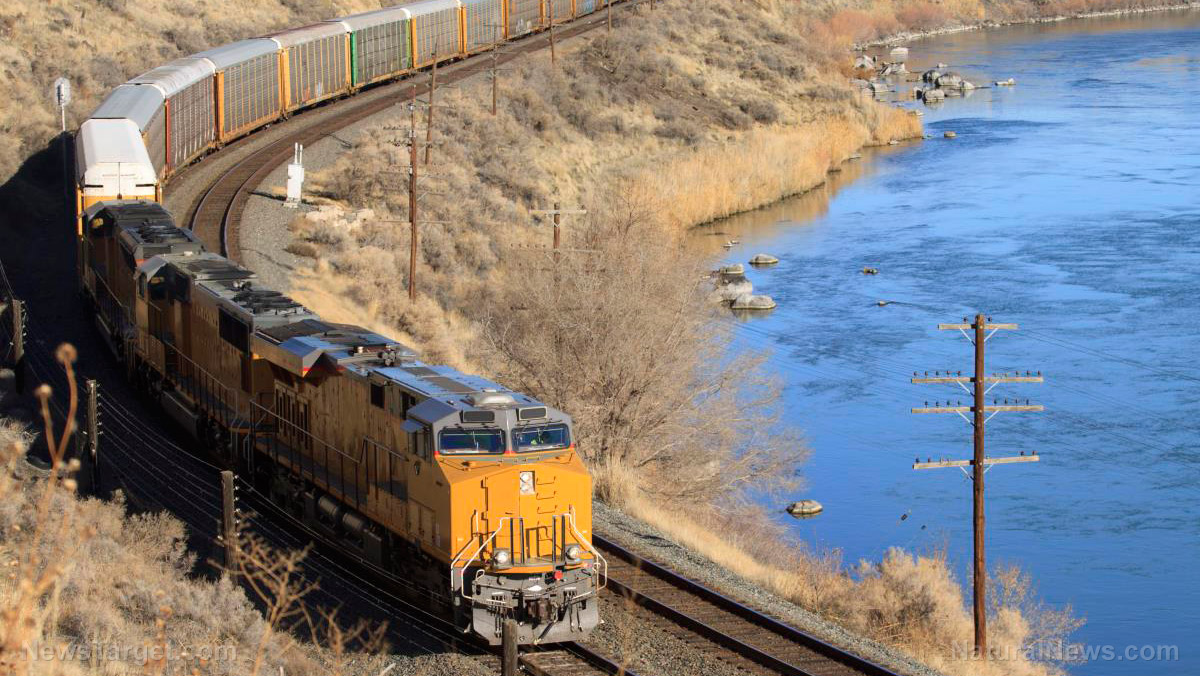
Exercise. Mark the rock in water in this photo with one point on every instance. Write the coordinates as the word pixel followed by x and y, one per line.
pixel 933 95
pixel 731 270
pixel 802 508
pixel 950 134
pixel 749 301
pixel 764 259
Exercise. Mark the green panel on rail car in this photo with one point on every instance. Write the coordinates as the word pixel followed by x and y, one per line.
pixel 354 76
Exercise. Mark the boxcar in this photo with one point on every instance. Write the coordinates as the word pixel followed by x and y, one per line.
pixel 247 89
pixel 484 23
pixel 144 106
pixel 380 44
pixel 437 30
pixel 584 7
pixel 524 16
pixel 190 115
pixel 314 63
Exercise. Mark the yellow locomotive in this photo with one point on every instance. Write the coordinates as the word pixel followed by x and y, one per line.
pixel 441 477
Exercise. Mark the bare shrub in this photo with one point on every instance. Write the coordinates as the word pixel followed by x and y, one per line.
pixel 620 335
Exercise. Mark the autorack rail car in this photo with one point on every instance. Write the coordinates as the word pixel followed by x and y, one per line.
pixel 195 104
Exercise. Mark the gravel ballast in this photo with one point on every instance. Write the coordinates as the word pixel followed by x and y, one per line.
pixel 647 541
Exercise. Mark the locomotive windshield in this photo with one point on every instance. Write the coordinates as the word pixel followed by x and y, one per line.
pixel 468 442
pixel 542 438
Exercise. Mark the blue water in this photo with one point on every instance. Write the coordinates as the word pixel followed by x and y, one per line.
pixel 1068 204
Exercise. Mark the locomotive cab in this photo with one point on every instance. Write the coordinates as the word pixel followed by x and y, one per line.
pixel 520 514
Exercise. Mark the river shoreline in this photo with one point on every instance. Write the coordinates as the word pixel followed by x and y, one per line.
pixel 911 36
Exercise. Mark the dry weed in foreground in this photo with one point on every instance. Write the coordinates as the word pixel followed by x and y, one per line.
pixel 87 588
pixel 275 577
pixel 38 567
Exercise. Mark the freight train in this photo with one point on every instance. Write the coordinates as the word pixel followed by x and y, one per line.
pixel 471 490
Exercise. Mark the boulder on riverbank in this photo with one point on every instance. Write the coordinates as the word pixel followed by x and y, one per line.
pixel 932 95
pixel 803 508
pixel 749 301
pixel 731 283
pixel 763 259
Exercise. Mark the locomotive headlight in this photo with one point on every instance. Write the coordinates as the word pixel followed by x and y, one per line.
pixel 573 552
pixel 501 558
pixel 527 483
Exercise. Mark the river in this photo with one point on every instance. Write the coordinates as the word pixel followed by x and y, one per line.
pixel 1068 204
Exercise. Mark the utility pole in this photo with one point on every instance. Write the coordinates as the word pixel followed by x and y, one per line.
pixel 18 343
pixel 495 67
pixel 608 4
pixel 429 119
pixel 497 52
pixel 982 383
pixel 553 55
pixel 229 535
pixel 93 434
pixel 412 191
pixel 558 212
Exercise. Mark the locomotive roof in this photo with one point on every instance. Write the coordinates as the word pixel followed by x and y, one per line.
pixel 297 346
pixel 146 229
pixel 234 287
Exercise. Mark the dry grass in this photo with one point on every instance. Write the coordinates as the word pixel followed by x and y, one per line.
pixel 909 601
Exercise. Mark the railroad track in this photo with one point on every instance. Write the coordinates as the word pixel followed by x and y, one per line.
pixel 217 214
pixel 761 643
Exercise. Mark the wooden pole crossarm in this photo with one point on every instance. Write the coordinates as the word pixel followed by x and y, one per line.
pixel 986 327
pixel 558 212
pixel 988 461
pixel 938 464
pixel 969 379
pixel 987 409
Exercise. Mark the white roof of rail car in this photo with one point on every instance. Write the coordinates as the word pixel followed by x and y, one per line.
pixel 112 159
pixel 175 76
pixel 375 17
pixel 423 7
pixel 138 103
pixel 236 52
pixel 297 36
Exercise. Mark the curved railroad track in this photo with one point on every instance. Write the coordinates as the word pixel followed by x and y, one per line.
pixel 217 214
pixel 721 626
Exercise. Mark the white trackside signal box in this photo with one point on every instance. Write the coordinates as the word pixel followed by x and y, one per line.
pixel 295 179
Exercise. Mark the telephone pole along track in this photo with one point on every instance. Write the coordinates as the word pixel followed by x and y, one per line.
pixel 217 215
pixel 772 646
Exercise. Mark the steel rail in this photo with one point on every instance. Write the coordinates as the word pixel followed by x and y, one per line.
pixel 217 215
pixel 756 625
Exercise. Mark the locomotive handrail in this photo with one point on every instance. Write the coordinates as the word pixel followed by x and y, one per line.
pixel 461 570
pixel 587 543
